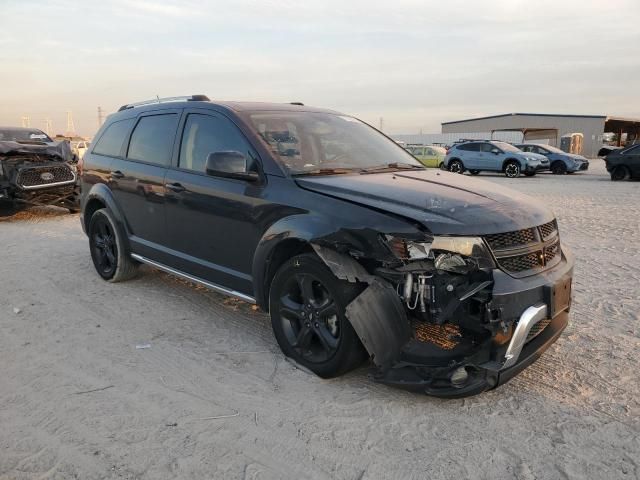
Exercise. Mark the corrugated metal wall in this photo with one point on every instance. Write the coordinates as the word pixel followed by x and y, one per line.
pixel 449 138
pixel 591 127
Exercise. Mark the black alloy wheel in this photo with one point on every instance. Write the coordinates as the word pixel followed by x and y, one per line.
pixel 558 168
pixel 108 252
pixel 307 307
pixel 104 250
pixel 620 173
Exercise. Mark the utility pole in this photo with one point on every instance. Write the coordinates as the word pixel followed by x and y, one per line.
pixel 71 129
pixel 26 121
pixel 100 116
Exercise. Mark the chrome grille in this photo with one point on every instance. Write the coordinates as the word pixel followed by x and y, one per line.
pixel 520 263
pixel 33 177
pixel 549 229
pixel 524 252
pixel 499 241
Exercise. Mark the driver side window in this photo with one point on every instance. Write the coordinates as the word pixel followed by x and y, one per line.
pixel 206 134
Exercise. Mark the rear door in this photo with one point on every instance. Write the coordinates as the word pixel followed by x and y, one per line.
pixel 472 155
pixel 137 180
pixel 212 222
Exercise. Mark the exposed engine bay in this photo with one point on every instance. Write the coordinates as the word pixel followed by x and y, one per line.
pixel 37 174
pixel 447 323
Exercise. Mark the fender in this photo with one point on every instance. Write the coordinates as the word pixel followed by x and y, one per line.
pixel 354 237
pixel 103 193
pixel 301 228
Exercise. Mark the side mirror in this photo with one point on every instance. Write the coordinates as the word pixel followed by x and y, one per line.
pixel 231 164
pixel 495 151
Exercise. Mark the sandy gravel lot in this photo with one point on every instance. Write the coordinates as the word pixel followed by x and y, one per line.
pixel 214 398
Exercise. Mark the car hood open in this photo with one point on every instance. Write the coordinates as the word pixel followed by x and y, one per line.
pixel 443 202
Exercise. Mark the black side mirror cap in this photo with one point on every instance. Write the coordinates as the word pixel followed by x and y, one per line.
pixel 231 164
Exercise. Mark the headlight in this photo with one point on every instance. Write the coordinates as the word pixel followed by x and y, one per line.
pixel 456 251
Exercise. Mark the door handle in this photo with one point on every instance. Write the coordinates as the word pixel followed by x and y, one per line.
pixel 174 187
pixel 117 174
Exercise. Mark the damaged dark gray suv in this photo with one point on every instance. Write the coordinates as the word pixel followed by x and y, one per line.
pixel 450 285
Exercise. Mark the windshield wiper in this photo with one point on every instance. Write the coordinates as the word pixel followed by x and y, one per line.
pixel 392 166
pixel 324 171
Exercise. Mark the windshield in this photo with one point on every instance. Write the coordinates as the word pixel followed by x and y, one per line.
pixel 304 142
pixel 506 147
pixel 11 135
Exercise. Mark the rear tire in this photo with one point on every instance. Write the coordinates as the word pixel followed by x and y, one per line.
pixel 512 169
pixel 456 166
pixel 108 251
pixel 558 168
pixel 307 306
pixel 620 173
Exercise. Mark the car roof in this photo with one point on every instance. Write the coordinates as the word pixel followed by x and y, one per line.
pixel 228 105
pixel 21 129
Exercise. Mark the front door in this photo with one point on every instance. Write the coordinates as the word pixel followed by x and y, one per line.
pixel 212 229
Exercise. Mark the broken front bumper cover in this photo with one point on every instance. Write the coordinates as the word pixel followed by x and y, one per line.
pixel 540 304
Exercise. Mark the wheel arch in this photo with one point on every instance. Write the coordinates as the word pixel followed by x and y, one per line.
pixel 100 196
pixel 509 160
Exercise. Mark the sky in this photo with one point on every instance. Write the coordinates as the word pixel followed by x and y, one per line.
pixel 414 63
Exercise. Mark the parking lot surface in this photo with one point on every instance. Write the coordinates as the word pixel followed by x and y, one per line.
pixel 156 378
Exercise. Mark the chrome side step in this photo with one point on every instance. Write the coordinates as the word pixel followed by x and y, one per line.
pixel 528 319
pixel 191 278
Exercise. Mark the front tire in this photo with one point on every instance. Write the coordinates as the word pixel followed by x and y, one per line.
pixel 620 173
pixel 558 168
pixel 512 169
pixel 456 166
pixel 307 306
pixel 108 251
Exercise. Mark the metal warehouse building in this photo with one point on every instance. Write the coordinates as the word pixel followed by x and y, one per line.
pixel 549 128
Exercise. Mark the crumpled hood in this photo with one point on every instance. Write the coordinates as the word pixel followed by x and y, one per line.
pixel 60 151
pixel 445 203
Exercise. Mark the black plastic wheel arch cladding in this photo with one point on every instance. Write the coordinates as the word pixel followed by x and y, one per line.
pixel 377 315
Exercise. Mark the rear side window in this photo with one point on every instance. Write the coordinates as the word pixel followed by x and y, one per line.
pixel 152 139
pixel 487 147
pixel 470 147
pixel 110 143
pixel 205 134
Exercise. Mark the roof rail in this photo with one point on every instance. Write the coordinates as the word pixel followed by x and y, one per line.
pixel 185 98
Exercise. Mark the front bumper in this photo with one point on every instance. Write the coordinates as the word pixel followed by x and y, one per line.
pixel 537 167
pixel 494 362
pixel 580 167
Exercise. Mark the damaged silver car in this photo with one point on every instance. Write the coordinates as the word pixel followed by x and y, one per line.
pixel 35 170
pixel 449 285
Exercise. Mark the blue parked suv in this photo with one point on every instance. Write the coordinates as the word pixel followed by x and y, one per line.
pixel 493 156
pixel 561 162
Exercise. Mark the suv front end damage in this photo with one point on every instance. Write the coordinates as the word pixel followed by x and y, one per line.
pixel 454 316
pixel 37 174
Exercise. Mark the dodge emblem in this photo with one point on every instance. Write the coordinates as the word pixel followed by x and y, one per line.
pixel 46 176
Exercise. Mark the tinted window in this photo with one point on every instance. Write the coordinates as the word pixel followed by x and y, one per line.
pixel 487 147
pixel 428 151
pixel 205 134
pixel 632 151
pixel 152 139
pixel 110 143
pixel 470 147
pixel 418 151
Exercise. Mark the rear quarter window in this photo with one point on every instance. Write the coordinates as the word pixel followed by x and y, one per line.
pixel 110 142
